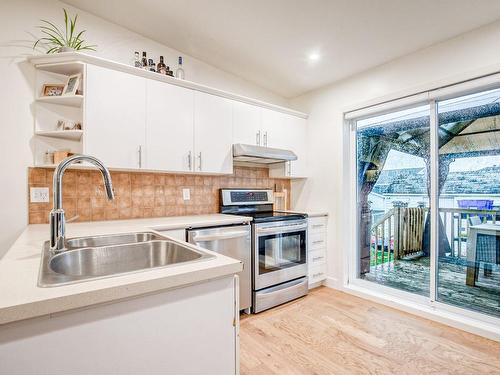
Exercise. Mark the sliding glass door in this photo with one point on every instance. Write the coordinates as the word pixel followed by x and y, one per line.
pixel 442 152
pixel 393 199
pixel 469 202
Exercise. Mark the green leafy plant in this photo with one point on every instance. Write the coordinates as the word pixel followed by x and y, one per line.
pixel 57 39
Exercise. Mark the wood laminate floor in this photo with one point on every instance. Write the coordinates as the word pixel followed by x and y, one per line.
pixel 330 332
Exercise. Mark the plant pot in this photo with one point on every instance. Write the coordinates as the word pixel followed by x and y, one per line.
pixel 66 49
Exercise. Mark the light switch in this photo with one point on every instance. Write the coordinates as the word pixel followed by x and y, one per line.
pixel 39 195
pixel 186 194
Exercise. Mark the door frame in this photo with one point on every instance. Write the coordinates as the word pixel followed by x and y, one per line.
pixel 468 320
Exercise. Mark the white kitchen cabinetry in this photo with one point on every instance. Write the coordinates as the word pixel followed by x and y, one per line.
pixel 115 117
pixel 190 331
pixel 135 119
pixel 273 125
pixel 316 251
pixel 247 124
pixel 290 132
pixel 213 134
pixel 169 127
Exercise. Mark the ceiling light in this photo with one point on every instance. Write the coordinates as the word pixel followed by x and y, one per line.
pixel 314 56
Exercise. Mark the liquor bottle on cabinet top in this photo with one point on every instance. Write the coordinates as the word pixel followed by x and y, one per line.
pixel 179 73
pixel 137 60
pixel 169 72
pixel 144 61
pixel 151 65
pixel 161 67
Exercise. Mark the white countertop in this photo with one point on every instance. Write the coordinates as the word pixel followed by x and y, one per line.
pixel 21 298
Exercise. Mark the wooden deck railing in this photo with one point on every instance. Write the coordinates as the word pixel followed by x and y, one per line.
pixel 456 223
pixel 400 232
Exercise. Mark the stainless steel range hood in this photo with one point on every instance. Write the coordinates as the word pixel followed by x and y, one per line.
pixel 262 155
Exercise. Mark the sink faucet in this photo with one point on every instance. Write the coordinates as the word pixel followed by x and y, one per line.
pixel 57 219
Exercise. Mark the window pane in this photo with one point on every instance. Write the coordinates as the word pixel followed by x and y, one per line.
pixel 469 202
pixel 393 199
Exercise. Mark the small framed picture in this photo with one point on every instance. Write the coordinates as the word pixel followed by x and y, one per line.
pixel 72 84
pixel 52 89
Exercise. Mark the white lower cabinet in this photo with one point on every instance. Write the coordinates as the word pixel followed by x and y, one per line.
pixel 190 331
pixel 316 249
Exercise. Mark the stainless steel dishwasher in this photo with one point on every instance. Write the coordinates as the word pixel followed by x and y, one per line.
pixel 234 241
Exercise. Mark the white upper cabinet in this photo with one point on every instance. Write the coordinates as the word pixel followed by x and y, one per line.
pixel 115 117
pixel 213 133
pixel 169 127
pixel 273 127
pixel 247 124
pixel 290 132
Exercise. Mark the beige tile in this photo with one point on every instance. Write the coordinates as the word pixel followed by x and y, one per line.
pixel 141 194
pixel 160 179
pixel 37 175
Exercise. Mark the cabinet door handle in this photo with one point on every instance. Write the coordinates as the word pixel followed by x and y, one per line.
pixel 257 138
pixel 289 168
pixel 265 139
pixel 199 161
pixel 190 156
pixel 319 241
pixel 317 225
pixel 140 156
pixel 315 259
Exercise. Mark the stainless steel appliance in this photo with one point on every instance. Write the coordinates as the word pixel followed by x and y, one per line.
pixel 279 247
pixel 235 241
pixel 261 154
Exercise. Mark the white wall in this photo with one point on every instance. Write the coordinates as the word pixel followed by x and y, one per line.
pixel 327 189
pixel 18 19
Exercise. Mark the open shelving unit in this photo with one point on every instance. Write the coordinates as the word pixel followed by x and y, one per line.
pixel 49 110
pixel 71 135
pixel 69 100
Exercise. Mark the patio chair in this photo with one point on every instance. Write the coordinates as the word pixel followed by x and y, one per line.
pixel 487 248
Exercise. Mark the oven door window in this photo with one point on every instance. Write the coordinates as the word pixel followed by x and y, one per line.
pixel 280 251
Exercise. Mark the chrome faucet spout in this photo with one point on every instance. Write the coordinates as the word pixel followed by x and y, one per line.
pixel 57 218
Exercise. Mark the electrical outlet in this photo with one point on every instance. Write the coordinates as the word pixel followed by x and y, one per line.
pixel 186 194
pixel 39 195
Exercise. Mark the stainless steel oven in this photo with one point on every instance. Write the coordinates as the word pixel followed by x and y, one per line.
pixel 279 246
pixel 280 252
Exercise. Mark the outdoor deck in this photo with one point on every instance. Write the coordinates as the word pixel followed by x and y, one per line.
pixel 413 276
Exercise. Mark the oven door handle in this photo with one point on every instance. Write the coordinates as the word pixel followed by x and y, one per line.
pixel 288 228
pixel 220 236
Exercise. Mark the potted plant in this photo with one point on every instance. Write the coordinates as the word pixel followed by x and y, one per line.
pixel 63 41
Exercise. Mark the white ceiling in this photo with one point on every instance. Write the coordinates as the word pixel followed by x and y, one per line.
pixel 268 41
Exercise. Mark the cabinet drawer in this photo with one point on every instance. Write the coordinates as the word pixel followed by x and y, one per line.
pixel 317 224
pixel 316 257
pixel 316 241
pixel 317 273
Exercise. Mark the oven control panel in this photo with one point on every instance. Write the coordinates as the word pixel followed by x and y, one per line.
pixel 246 197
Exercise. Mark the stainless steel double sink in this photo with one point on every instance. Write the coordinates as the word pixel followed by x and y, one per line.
pixel 95 257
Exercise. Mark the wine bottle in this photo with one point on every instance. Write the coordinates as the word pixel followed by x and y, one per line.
pixel 179 72
pixel 161 67
pixel 151 65
pixel 144 61
pixel 137 60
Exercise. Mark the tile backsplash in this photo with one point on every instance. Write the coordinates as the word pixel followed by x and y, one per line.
pixel 140 194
